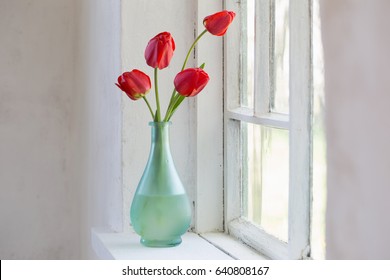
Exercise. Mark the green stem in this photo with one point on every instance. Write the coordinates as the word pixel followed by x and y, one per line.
pixel 158 113
pixel 173 99
pixel 150 108
pixel 192 47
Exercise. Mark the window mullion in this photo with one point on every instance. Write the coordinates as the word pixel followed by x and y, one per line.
pixel 300 127
pixel 232 144
pixel 263 52
pixel 274 120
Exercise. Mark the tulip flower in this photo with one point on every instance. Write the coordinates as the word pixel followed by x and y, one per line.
pixel 158 54
pixel 191 81
pixel 218 23
pixel 135 84
pixel 159 51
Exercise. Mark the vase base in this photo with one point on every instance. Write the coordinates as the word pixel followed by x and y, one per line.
pixel 161 243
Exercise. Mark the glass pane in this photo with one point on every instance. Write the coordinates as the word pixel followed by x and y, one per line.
pixel 266 177
pixel 247 69
pixel 280 94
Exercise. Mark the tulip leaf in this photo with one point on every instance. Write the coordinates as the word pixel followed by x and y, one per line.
pixel 178 101
pixel 202 66
pixel 155 117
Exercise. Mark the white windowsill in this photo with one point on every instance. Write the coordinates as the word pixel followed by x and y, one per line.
pixel 209 246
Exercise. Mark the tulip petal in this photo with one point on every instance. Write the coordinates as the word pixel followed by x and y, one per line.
pixel 218 23
pixel 159 51
pixel 118 86
pixel 135 84
pixel 191 81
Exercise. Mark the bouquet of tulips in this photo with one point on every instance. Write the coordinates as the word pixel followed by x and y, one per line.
pixel 158 53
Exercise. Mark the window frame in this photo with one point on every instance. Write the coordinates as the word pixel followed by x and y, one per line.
pixel 298 123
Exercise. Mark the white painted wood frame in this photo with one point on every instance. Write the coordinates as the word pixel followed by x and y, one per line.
pixel 298 123
pixel 301 92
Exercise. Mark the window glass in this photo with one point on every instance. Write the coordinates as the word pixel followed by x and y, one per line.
pixel 266 177
pixel 280 93
pixel 248 54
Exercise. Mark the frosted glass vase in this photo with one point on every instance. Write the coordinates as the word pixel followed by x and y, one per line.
pixel 160 212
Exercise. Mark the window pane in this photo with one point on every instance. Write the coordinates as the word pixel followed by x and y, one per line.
pixel 266 177
pixel 248 37
pixel 280 94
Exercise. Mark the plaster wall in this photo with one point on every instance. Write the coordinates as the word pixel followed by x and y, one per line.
pixel 97 122
pixel 39 200
pixel 357 86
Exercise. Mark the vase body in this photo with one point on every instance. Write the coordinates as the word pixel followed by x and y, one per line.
pixel 160 211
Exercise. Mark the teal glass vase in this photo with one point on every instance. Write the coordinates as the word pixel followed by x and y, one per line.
pixel 160 211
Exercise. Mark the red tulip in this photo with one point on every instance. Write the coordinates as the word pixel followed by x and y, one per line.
pixel 191 81
pixel 135 84
pixel 218 23
pixel 159 51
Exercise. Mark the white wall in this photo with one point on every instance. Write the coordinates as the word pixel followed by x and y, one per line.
pixel 99 118
pixel 357 88
pixel 39 202
pixel 60 126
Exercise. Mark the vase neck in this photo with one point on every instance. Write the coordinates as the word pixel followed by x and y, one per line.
pixel 160 175
pixel 160 136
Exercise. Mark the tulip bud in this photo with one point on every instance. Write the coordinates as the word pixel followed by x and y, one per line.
pixel 159 51
pixel 218 23
pixel 135 84
pixel 191 81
